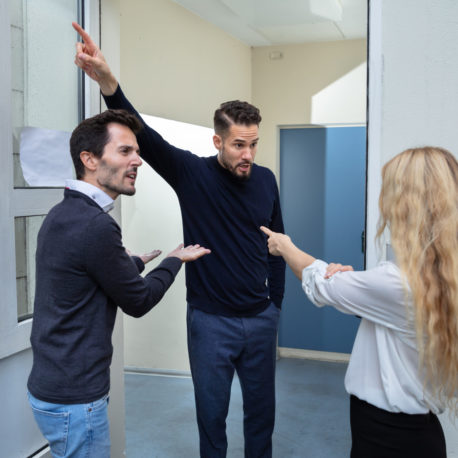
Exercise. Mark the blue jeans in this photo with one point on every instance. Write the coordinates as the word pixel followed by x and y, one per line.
pixel 74 430
pixel 218 346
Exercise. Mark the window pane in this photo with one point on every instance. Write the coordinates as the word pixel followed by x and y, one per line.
pixel 45 93
pixel 26 230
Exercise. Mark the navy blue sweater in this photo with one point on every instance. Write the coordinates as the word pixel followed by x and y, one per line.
pixel 83 274
pixel 223 213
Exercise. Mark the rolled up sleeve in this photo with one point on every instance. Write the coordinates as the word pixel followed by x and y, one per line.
pixel 377 294
pixel 310 275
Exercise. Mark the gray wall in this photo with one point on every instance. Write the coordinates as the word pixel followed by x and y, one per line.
pixel 19 435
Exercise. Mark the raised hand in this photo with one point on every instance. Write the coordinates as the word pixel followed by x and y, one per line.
pixel 91 60
pixel 189 253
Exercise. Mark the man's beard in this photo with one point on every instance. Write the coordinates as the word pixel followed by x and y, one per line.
pixel 232 169
pixel 108 180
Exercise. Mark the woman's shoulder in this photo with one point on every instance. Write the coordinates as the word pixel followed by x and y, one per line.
pixel 388 266
pixel 388 279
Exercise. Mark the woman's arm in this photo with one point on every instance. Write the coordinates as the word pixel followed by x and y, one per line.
pixel 377 294
pixel 298 260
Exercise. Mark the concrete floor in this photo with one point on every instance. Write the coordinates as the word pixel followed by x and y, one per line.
pixel 312 418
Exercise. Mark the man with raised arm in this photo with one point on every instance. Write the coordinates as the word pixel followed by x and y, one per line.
pixel 83 274
pixel 234 296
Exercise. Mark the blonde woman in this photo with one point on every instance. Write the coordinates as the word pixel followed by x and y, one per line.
pixel 403 369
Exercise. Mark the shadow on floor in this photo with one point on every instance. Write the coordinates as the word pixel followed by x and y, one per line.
pixel 312 418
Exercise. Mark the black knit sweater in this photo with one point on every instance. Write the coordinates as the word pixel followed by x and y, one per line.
pixel 220 212
pixel 83 274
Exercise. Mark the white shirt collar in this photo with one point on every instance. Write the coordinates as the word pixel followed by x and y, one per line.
pixel 100 197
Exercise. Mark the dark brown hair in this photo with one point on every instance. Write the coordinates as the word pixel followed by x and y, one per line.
pixel 235 112
pixel 92 135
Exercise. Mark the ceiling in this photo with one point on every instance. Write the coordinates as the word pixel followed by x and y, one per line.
pixel 277 22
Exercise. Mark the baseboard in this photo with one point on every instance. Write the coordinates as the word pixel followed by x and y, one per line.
pixel 160 372
pixel 285 352
pixel 44 453
pixel 282 352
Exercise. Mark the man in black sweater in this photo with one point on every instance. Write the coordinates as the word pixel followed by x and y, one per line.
pixel 234 296
pixel 83 274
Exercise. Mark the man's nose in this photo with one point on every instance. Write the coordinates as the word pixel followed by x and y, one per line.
pixel 246 154
pixel 137 160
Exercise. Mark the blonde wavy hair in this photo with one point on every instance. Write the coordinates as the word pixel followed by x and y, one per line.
pixel 419 205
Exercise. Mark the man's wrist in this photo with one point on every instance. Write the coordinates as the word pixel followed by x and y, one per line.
pixel 109 86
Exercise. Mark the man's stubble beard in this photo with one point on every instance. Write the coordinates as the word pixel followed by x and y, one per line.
pixel 108 178
pixel 233 170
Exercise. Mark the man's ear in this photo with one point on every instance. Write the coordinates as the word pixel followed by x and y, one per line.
pixel 218 142
pixel 89 161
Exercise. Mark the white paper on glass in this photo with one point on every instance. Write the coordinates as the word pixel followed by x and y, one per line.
pixel 45 157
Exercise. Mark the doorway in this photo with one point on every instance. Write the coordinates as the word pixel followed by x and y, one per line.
pixel 322 193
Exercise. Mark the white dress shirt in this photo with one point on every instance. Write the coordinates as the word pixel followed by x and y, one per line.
pixel 384 364
pixel 100 197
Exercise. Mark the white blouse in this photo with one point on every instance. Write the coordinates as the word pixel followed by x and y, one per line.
pixel 384 364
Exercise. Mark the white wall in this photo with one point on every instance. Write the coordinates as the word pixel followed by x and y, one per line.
pixel 313 83
pixel 178 66
pixel 414 44
pixel 420 96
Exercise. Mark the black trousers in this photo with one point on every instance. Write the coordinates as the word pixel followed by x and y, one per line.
pixel 377 433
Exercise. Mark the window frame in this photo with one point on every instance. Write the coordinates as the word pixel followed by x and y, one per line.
pixel 14 335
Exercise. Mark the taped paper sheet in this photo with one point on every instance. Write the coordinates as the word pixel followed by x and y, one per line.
pixel 45 157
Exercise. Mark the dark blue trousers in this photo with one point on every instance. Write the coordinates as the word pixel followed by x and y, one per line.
pixel 218 346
